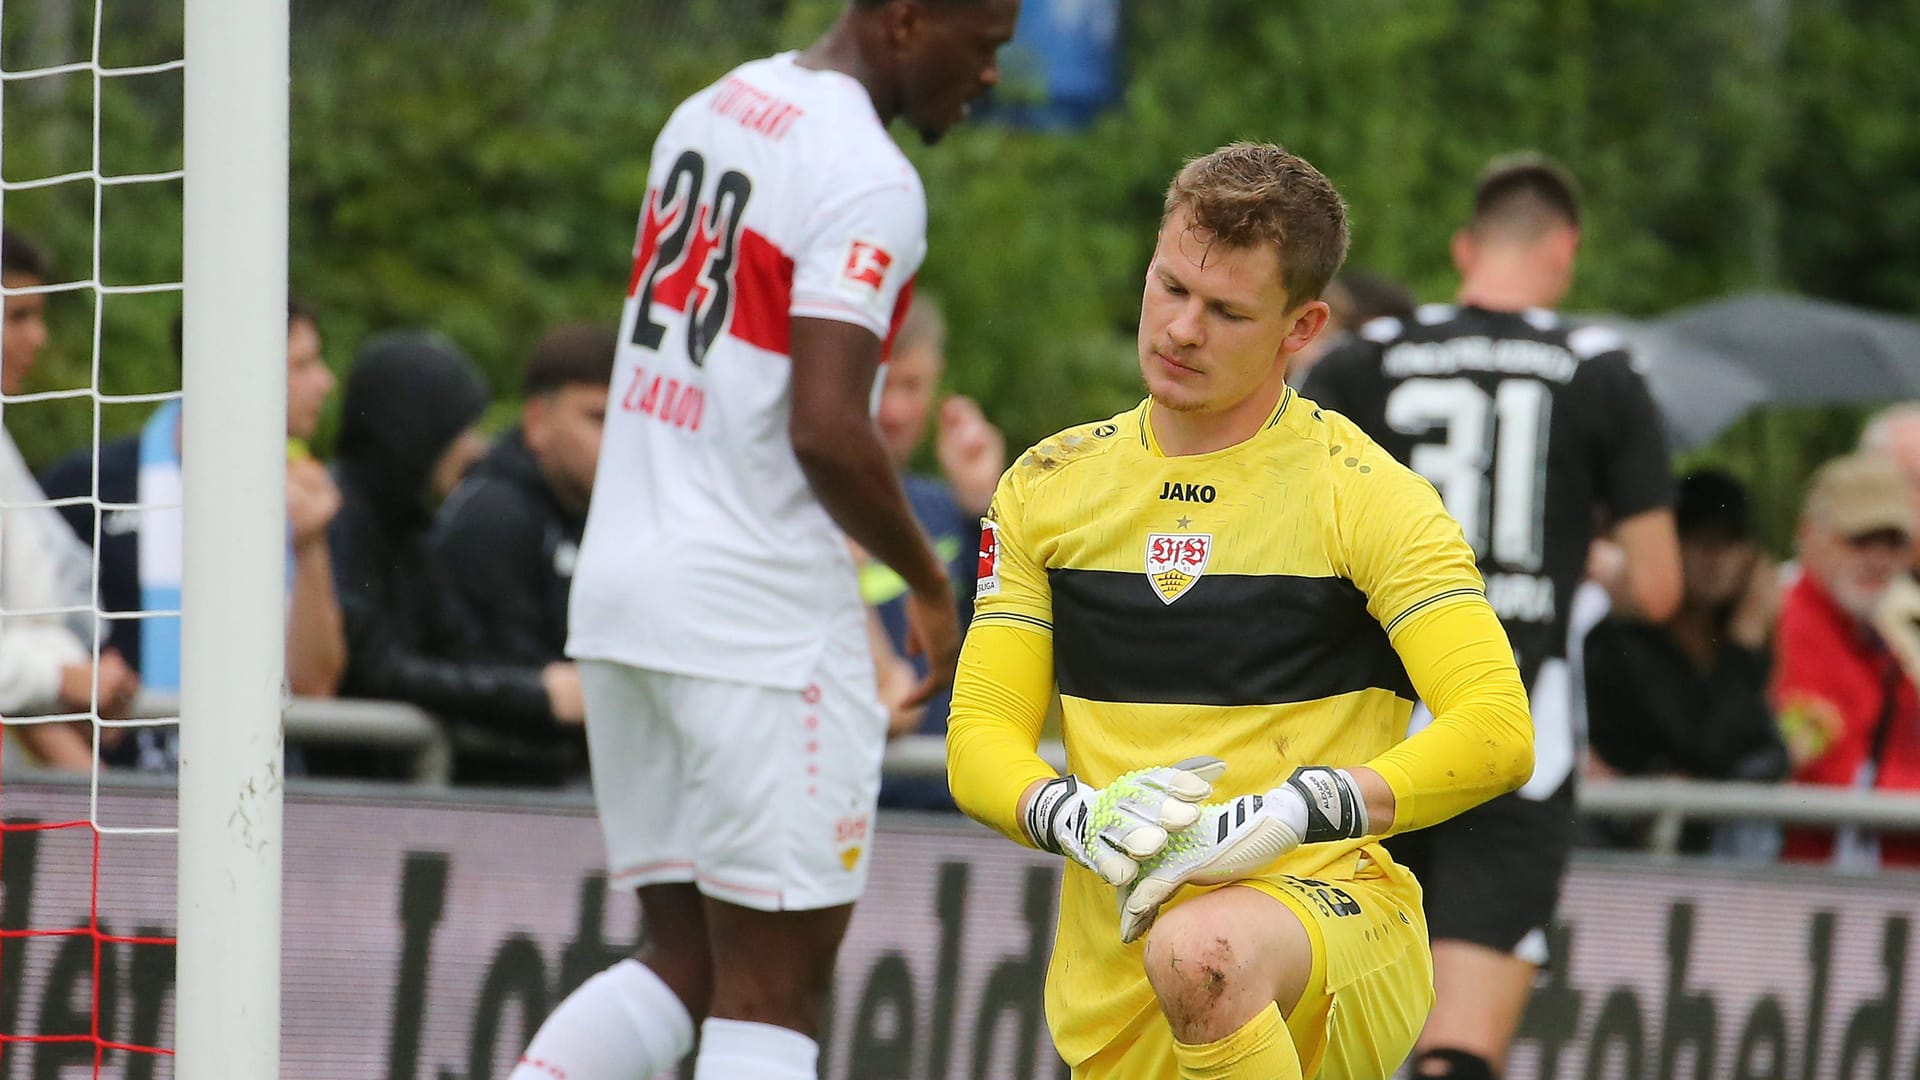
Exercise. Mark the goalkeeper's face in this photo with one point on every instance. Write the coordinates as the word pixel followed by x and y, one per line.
pixel 949 54
pixel 1216 325
pixel 25 333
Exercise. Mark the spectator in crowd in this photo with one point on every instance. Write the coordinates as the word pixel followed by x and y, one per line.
pixel 972 454
pixel 408 435
pixel 1847 708
pixel 508 537
pixel 46 659
pixel 140 550
pixel 1354 299
pixel 1894 433
pixel 1689 697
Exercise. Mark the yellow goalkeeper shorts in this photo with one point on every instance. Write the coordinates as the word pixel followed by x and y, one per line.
pixel 1365 1002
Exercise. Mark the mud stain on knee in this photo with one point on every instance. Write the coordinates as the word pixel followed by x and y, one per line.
pixel 1216 983
pixel 1216 972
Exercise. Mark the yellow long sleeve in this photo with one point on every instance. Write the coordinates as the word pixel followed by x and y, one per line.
pixel 1480 743
pixel 1000 699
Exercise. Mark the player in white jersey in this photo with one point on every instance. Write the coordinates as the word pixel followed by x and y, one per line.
pixel 731 708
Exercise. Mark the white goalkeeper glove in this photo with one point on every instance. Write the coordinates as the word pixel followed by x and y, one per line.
pixel 1110 830
pixel 1233 839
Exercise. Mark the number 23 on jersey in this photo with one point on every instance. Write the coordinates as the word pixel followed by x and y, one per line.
pixel 689 244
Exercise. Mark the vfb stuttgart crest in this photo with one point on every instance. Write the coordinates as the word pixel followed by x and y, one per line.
pixel 1176 561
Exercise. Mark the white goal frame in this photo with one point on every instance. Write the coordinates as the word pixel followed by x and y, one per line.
pixel 227 990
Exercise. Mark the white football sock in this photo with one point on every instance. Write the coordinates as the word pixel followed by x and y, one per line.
pixel 743 1050
pixel 622 1024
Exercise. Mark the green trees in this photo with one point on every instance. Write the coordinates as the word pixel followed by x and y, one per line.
pixel 478 167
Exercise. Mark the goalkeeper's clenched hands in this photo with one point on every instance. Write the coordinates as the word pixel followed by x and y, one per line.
pixel 1111 830
pixel 1236 838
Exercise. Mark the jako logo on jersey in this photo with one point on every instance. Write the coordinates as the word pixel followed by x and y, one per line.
pixel 986 576
pixel 866 269
pixel 1187 492
pixel 1175 562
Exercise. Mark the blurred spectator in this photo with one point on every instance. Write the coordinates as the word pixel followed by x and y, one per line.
pixel 316 627
pixel 508 537
pixel 972 454
pixel 407 437
pixel 1689 697
pixel 46 659
pixel 1847 708
pixel 1894 433
pixel 1354 299
pixel 141 550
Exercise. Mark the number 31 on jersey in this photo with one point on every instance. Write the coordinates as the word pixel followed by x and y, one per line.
pixel 1494 452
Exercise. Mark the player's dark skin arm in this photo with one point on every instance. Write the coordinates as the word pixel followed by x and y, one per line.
pixel 846 465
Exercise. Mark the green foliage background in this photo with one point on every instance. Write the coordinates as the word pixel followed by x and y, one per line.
pixel 477 165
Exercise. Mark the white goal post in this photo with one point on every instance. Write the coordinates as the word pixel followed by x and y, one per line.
pixel 227 995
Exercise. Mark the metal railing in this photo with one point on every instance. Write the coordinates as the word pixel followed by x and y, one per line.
pixel 380 725
pixel 1668 805
pixel 374 725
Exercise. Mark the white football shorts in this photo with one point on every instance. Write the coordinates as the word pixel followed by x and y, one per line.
pixel 761 797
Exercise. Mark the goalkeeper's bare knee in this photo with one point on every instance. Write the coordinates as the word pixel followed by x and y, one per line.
pixel 1215 961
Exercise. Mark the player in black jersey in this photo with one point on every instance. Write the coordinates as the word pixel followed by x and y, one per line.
pixel 1531 429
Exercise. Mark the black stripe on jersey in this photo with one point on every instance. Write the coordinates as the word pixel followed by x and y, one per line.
pixel 1429 602
pixel 1230 639
pixel 1014 617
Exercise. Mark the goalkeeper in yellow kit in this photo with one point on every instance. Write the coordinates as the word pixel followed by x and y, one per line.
pixel 1238 596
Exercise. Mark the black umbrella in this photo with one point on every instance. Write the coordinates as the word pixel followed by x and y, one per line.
pixel 1699 391
pixel 1707 365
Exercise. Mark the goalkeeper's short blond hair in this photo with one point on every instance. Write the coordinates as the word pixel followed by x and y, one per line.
pixel 1248 195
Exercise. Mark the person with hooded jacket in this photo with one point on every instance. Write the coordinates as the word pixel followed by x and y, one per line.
pixel 407 437
pixel 508 537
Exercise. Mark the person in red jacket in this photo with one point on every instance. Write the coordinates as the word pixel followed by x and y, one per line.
pixel 1847 707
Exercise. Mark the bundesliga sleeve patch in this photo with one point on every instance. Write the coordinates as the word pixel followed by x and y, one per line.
pixel 865 272
pixel 986 576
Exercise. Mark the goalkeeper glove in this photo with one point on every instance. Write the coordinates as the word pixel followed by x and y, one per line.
pixel 1235 838
pixel 1109 830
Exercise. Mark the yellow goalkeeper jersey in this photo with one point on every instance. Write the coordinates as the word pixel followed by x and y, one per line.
pixel 1261 604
